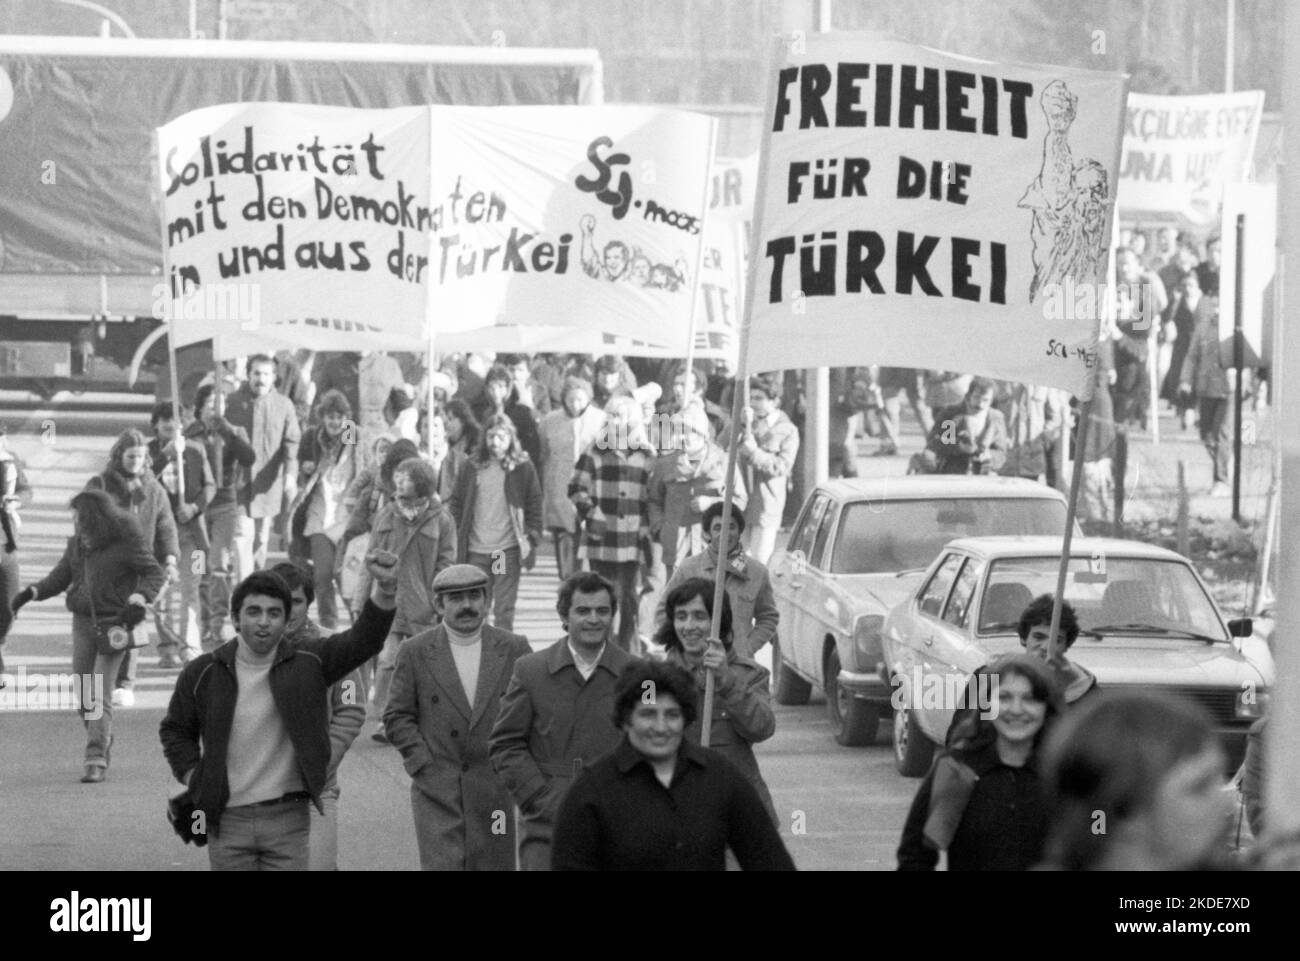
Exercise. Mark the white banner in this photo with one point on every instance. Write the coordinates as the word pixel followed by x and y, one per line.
pixel 1258 203
pixel 1179 152
pixel 726 262
pixel 922 209
pixel 583 217
pixel 294 225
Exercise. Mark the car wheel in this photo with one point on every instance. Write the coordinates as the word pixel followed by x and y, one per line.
pixel 790 688
pixel 912 749
pixel 853 720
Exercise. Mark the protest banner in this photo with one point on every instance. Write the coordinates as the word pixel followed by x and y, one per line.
pixel 293 225
pixel 1258 204
pixel 726 245
pixel 588 217
pixel 1179 152
pixel 922 209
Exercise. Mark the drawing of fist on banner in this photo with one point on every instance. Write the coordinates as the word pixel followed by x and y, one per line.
pixel 585 217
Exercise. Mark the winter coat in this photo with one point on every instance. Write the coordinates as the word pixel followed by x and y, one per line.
pixel 237 457
pixel 341 458
pixel 675 480
pixel 1033 415
pixel 769 468
pixel 1002 827
pixel 444 747
pixel 552 723
pixel 100 580
pixel 754 616
pixel 949 436
pixel 1202 367
pixel 424 548
pixel 271 424
pixel 196 731
pixel 563 439
pixel 148 501
pixel 742 716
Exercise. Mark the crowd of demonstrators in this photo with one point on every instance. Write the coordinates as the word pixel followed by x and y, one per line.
pixel 981 802
pixel 110 573
pixel 15 493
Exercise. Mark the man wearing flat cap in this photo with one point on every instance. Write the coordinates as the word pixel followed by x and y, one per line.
pixel 441 707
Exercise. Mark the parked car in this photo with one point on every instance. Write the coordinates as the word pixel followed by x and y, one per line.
pixel 1146 622
pixel 855 551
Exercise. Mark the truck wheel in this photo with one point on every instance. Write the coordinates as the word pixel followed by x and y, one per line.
pixel 790 688
pixel 853 720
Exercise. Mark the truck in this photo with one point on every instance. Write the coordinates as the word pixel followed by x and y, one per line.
pixel 80 242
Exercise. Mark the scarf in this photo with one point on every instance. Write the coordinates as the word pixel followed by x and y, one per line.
pixel 735 557
pixel 415 510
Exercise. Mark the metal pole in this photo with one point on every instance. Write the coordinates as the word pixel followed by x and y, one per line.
pixel 1238 362
pixel 740 394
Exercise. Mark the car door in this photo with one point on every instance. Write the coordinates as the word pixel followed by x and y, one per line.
pixel 789 572
pixel 818 608
pixel 952 656
pixel 917 653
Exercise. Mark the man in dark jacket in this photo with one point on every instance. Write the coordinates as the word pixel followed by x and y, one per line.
pixel 247 729
pixel 1035 629
pixel 501 397
pixel 554 717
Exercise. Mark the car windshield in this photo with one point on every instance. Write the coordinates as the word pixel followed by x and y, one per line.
pixel 1147 596
pixel 877 537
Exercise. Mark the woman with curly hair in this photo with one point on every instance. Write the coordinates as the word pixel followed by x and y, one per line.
pixel 497 507
pixel 110 576
pixel 130 482
pixel 982 802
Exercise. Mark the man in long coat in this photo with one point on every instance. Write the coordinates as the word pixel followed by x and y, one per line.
pixel 442 704
pixel 557 714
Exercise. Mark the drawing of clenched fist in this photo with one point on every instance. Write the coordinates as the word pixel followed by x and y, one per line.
pixel 1059 105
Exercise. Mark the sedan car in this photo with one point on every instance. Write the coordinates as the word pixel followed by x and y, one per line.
pixel 1146 622
pixel 855 551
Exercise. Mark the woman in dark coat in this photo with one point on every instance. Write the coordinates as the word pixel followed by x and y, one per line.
pixel 110 576
pixel 129 480
pixel 982 801
pixel 742 706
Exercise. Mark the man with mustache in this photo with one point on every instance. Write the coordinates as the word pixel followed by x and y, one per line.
pixel 441 706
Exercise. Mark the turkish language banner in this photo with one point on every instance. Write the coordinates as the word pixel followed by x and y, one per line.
pixel 293 225
pixel 1179 152
pixel 921 209
pixel 588 217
